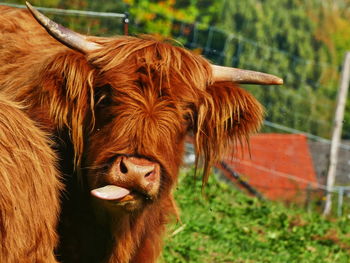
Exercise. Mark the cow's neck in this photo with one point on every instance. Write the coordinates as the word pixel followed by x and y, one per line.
pixel 136 238
pixel 124 227
pixel 124 245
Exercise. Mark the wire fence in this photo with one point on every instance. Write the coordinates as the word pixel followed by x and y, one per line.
pixel 235 50
pixel 86 22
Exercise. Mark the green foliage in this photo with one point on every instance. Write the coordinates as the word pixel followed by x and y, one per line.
pixel 285 43
pixel 158 17
pixel 229 226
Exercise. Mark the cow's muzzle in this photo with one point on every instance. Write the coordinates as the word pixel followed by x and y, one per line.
pixel 130 179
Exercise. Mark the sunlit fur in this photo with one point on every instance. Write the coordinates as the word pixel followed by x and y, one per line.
pixel 134 96
pixel 29 189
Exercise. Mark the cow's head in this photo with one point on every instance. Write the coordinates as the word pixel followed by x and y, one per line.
pixel 132 103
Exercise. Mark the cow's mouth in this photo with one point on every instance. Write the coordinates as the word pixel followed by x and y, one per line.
pixel 118 194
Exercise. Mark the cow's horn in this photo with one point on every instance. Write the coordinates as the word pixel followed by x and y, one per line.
pixel 62 34
pixel 244 76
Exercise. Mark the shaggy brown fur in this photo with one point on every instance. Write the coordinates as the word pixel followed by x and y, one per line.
pixel 29 189
pixel 132 97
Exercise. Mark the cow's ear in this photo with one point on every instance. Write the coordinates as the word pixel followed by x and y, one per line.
pixel 227 116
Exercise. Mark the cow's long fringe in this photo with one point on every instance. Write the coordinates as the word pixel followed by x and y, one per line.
pixel 223 114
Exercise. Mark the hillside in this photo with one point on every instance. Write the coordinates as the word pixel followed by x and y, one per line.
pixel 229 226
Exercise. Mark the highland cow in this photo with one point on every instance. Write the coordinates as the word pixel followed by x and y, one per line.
pixel 29 189
pixel 119 110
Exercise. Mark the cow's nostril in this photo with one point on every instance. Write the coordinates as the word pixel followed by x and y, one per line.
pixel 123 167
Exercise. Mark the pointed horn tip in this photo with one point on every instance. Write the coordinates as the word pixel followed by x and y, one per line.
pixel 277 81
pixel 243 76
pixel 265 79
pixel 29 5
pixel 34 12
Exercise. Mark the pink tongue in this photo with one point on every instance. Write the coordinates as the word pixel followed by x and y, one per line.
pixel 110 192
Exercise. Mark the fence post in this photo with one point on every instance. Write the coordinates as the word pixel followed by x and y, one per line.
pixel 126 23
pixel 337 129
pixel 340 200
pixel 308 203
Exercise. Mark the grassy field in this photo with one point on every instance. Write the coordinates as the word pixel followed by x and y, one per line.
pixel 229 226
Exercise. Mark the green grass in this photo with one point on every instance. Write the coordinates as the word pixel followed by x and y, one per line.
pixel 229 226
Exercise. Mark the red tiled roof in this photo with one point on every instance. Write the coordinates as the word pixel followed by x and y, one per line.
pixel 279 165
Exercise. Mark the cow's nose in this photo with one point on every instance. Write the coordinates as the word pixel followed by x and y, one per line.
pixel 140 169
pixel 129 179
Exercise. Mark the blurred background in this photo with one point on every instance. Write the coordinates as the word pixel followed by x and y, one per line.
pixel 302 41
